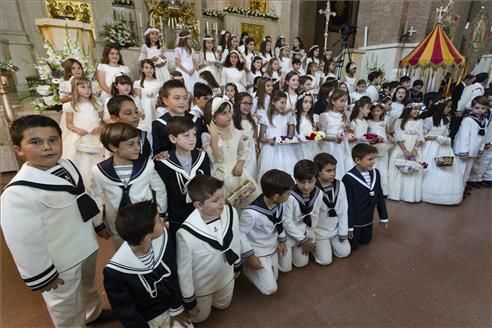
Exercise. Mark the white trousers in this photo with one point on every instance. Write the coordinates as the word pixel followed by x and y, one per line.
pixel 76 301
pixel 326 247
pixel 465 167
pixel 481 166
pixel 221 299
pixel 293 256
pixel 264 279
pixel 163 320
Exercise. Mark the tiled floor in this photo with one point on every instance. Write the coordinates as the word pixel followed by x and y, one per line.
pixel 432 268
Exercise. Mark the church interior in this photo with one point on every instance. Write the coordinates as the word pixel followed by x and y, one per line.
pixel 431 268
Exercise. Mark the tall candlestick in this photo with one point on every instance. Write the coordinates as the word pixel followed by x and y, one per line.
pixel 207 30
pixel 140 20
pixel 366 30
pixel 405 29
pixel 215 28
pixel 160 23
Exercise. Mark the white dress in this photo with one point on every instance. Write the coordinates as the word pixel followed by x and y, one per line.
pixel 406 187
pixel 251 79
pixel 260 111
pixel 211 63
pixel 234 149
pixel 233 75
pixel 251 162
pixel 331 123
pixel 148 98
pixel 86 151
pixel 187 62
pixel 282 157
pixel 290 105
pixel 309 148
pixel 161 73
pixel 394 114
pixel 359 128
pixel 64 89
pixel 381 163
pixel 285 65
pixel 109 73
pixel 441 184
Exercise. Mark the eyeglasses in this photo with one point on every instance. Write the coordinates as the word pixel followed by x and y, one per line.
pixel 247 103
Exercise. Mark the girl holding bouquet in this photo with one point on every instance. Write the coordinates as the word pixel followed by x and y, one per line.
pixel 377 127
pixel 405 171
pixel 305 127
pixel 152 50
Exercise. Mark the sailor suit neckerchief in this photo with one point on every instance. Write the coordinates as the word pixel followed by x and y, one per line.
pixel 360 179
pixel 306 204
pixel 229 254
pixel 274 214
pixel 107 168
pixel 197 158
pixel 126 261
pixel 87 206
pixel 482 123
pixel 330 196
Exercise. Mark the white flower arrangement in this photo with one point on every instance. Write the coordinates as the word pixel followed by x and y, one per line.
pixel 250 12
pixel 213 13
pixel 118 33
pixel 50 72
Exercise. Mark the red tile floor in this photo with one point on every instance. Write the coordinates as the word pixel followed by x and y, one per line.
pixel 432 268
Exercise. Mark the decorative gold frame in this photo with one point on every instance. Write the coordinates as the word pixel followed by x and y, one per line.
pixel 255 32
pixel 260 5
pixel 71 10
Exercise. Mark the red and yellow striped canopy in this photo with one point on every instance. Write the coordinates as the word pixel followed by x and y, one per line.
pixel 434 50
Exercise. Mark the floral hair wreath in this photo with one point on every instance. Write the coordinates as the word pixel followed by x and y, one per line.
pixel 185 36
pixel 442 101
pixel 414 105
pixel 313 47
pixel 150 29
pixel 304 94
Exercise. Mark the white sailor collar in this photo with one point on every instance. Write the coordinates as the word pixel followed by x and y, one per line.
pixel 196 222
pixel 29 173
pixel 127 262
pixel 173 163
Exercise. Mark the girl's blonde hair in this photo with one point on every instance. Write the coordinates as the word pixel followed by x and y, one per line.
pixel 337 94
pixel 269 67
pixel 276 96
pixel 75 94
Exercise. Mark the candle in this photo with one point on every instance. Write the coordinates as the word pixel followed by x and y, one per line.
pixel 467 25
pixel 140 20
pixel 207 28
pixel 160 23
pixel 366 29
pixel 198 27
pixel 405 29
pixel 215 28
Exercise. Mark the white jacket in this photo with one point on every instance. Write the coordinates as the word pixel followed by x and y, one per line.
pixel 43 229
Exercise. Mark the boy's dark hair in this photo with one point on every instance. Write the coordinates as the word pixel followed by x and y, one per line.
pixel 179 124
pixel 481 100
pixel 361 150
pixel 201 90
pixel 114 133
pixel 169 85
pixel 430 98
pixel 481 77
pixel 323 159
pixel 136 221
pixel 275 182
pixel 305 170
pixel 114 104
pixel 393 85
pixel 30 121
pixel 417 83
pixel 296 61
pixel 374 75
pixel 405 78
pixel 202 187
pixel 363 82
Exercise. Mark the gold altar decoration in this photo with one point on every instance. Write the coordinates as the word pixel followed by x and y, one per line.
pixel 255 32
pixel 71 10
pixel 260 5
pixel 173 14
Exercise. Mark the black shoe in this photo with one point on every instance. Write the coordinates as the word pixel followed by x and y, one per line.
pixel 475 184
pixel 104 316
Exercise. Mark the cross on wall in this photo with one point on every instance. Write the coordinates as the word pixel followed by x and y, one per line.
pixel 411 31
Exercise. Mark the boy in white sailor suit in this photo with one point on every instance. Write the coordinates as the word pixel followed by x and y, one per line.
pixel 364 194
pixel 301 213
pixel 208 249
pixel 47 224
pixel 184 163
pixel 469 142
pixel 332 229
pixel 125 177
pixel 141 279
pixel 262 234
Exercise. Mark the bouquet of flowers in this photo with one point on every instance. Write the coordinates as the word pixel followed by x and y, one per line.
pixel 50 72
pixel 407 166
pixel 315 135
pixel 118 33
pixel 373 138
pixel 284 140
